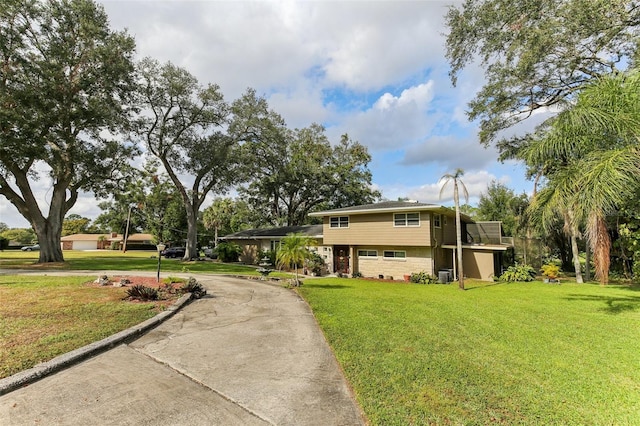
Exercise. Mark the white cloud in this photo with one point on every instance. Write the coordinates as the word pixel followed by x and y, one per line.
pixel 475 182
pixel 392 121
pixel 451 152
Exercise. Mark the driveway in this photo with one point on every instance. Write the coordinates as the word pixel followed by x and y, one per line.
pixel 249 353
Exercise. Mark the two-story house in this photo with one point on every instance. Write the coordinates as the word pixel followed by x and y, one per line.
pixel 394 239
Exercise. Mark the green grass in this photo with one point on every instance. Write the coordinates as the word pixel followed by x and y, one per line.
pixel 520 353
pixel 43 317
pixel 115 260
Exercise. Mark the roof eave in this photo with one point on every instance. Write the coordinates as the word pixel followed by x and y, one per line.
pixel 383 210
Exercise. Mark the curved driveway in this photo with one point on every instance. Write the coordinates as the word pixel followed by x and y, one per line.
pixel 249 353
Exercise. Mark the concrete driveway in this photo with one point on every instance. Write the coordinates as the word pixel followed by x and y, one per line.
pixel 249 353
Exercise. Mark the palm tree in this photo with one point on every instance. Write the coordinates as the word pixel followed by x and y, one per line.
pixel 293 250
pixel 599 137
pixel 455 178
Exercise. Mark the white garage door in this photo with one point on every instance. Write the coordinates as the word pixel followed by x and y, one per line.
pixel 85 245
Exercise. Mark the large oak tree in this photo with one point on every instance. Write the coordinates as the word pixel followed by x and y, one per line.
pixel 65 80
pixel 294 172
pixel 183 125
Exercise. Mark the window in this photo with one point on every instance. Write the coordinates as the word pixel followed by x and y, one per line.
pixel 275 245
pixel 406 219
pixel 436 220
pixel 339 222
pixel 391 254
pixel 367 253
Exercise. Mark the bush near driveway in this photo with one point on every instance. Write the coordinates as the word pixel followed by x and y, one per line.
pixel 525 353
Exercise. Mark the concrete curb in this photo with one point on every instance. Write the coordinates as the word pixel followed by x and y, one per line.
pixel 63 361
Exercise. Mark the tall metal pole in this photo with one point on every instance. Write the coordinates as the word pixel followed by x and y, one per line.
pixel 159 257
pixel 126 231
pixel 160 247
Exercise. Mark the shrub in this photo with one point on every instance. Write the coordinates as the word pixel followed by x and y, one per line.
pixel 356 275
pixel 268 254
pixel 315 264
pixel 422 278
pixel 518 273
pixel 192 286
pixel 142 292
pixel 172 280
pixel 550 270
pixel 228 252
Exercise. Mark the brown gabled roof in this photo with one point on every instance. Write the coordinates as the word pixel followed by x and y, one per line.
pixel 108 237
pixel 259 234
pixel 84 237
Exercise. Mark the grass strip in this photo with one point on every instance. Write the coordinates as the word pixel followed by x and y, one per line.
pixel 132 260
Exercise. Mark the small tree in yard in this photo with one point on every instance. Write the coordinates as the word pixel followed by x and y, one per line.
pixel 294 251
pixel 456 179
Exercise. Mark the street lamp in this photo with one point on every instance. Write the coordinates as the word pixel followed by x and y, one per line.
pixel 160 248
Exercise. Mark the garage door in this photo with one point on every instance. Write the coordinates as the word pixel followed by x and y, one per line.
pixel 85 245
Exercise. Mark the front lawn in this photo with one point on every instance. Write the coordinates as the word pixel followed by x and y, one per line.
pixel 521 353
pixel 43 317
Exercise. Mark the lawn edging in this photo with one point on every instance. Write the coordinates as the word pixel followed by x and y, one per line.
pixel 42 370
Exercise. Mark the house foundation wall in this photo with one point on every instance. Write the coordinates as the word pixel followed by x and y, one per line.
pixel 417 259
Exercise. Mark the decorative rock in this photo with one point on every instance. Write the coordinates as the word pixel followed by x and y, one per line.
pixel 103 280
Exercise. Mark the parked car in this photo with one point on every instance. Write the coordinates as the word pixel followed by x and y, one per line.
pixel 210 252
pixel 34 247
pixel 174 252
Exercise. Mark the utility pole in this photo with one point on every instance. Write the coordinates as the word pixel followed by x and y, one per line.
pixel 126 231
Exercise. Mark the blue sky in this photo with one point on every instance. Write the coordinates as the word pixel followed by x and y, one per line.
pixel 373 69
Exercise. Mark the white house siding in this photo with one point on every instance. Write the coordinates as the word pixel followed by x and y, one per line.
pixel 417 259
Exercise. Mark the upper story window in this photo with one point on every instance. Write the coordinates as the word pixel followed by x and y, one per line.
pixel 406 219
pixel 437 220
pixel 339 222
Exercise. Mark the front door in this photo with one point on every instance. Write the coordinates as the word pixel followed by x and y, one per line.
pixel 341 259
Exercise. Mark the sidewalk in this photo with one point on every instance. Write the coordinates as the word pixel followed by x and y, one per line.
pixel 249 353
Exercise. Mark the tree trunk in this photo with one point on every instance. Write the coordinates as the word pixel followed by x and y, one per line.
pixel 600 242
pixel 587 262
pixel 576 258
pixel 571 229
pixel 191 251
pixel 458 237
pixel 47 229
pixel 49 233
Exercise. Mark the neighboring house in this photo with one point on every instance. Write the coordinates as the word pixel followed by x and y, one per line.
pixel 104 241
pixel 394 239
pixel 253 241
